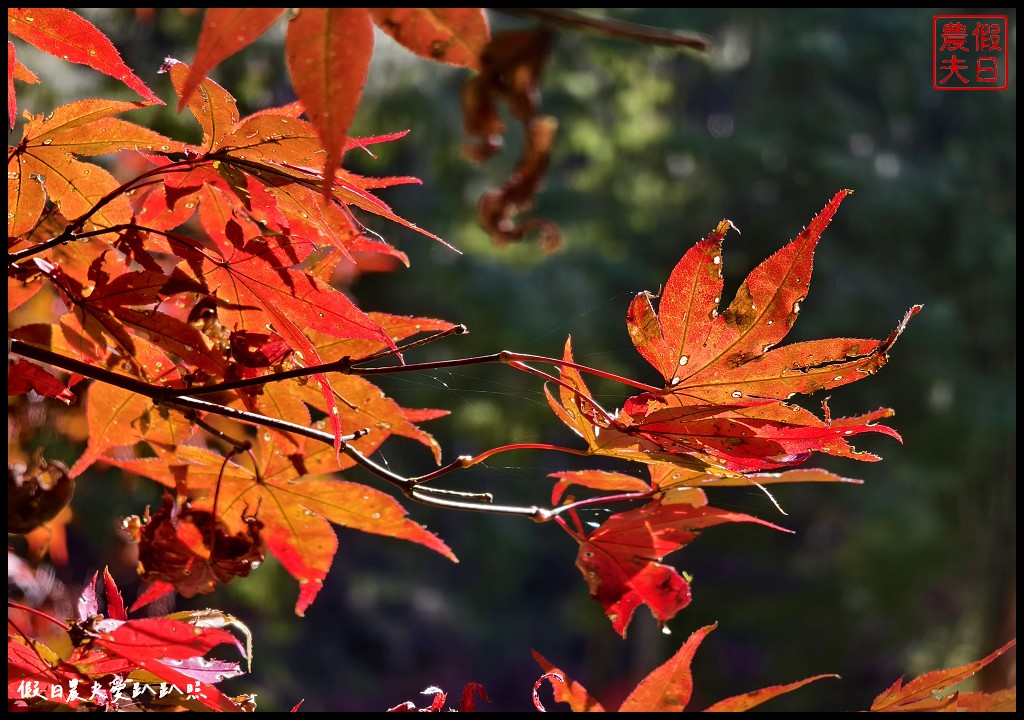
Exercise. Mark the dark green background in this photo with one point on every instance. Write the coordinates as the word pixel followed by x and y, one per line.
pixel 911 571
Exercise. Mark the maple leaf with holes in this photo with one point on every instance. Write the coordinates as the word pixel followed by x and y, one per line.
pixel 723 402
pixel 289 494
pixel 729 357
pixel 668 688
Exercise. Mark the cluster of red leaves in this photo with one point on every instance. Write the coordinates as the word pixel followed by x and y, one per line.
pixel 209 268
pixel 190 551
pixel 328 53
pixel 122 664
pixel 721 418
pixel 212 266
pixel 210 272
pixel 669 688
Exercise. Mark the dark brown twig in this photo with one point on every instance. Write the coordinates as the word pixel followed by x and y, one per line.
pixel 572 20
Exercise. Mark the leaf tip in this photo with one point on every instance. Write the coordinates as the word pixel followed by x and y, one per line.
pixel 725 225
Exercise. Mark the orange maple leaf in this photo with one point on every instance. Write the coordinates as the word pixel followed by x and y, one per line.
pixel 296 509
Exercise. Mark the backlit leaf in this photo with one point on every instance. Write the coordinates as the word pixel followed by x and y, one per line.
pixel 211 105
pixel 727 357
pixel 745 439
pixel 456 36
pixel 566 690
pixel 288 301
pixel 328 52
pixel 932 691
pixel 225 31
pixel 622 559
pixel 742 703
pixel 296 510
pixel 668 687
pixel 576 407
pixel 29 661
pixel 44 165
pixel 23 376
pixel 120 418
pixel 67 35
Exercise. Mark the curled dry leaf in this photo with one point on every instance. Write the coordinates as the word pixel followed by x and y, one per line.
pixel 511 66
pixel 191 549
pixel 36 493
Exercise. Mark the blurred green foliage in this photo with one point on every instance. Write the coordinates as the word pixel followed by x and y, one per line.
pixel 909 572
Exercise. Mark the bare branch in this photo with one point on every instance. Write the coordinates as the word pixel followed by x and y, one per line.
pixel 576 21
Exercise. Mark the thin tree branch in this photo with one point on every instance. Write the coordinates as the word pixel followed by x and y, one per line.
pixel 533 512
pixel 572 20
pixel 621 497
pixel 509 358
pixel 70 231
pixel 432 365
pixel 409 487
pixel 457 330
pixel 18 606
pixel 524 357
pixel 344 366
pixel 471 461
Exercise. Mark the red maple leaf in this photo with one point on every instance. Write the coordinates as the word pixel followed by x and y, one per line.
pixel 621 560
pixel 23 376
pixel 668 688
pixel 45 166
pixel 328 51
pixel 67 35
pixel 933 691
pixel 727 357
pixel 745 439
pixel 109 644
pixel 290 496
pixel 723 402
